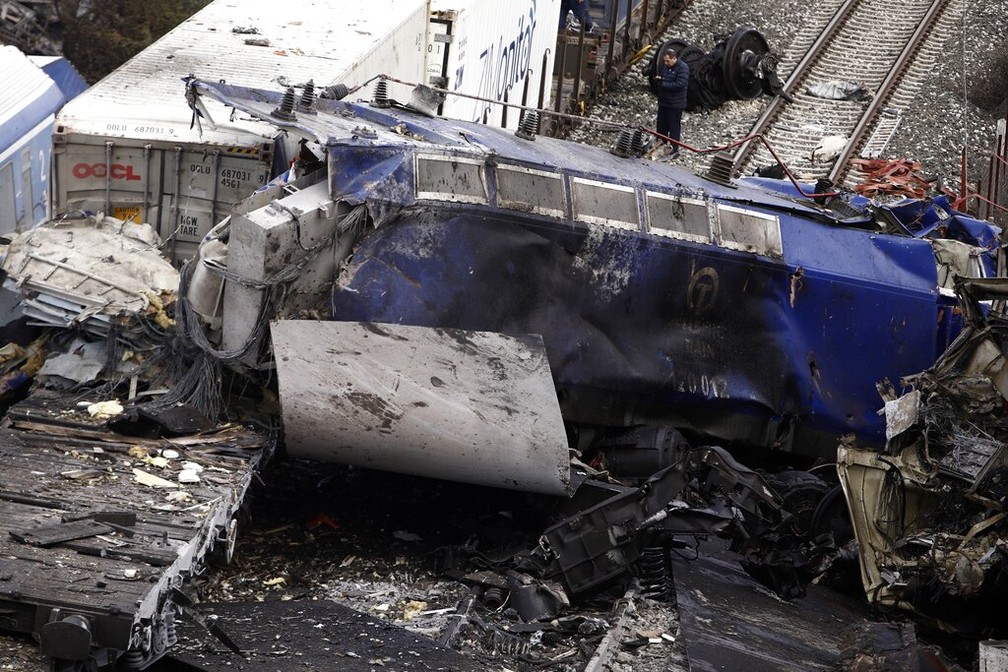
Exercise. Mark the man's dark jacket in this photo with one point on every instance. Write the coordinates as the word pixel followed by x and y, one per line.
pixel 673 84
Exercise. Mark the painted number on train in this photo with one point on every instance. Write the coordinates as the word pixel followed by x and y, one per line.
pixel 116 171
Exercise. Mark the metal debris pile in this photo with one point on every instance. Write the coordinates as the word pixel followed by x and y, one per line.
pixel 891 177
pixel 430 557
pixel 929 509
pixel 100 274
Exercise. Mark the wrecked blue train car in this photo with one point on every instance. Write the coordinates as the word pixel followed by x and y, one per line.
pixel 35 88
pixel 738 311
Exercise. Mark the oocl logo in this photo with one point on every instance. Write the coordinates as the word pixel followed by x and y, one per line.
pixel 117 171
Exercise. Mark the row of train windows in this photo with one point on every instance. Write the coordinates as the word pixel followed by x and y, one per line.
pixel 543 192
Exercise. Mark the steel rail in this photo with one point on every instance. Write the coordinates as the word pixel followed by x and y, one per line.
pixel 847 124
pixel 885 92
pixel 799 73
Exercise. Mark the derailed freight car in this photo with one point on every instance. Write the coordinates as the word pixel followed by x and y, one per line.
pixel 737 311
pixel 131 148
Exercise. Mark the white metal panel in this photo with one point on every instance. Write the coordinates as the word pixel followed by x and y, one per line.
pixel 475 407
pixel 251 43
pixel 492 49
pixel 23 85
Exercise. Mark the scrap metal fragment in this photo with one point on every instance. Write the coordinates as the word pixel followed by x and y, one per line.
pixel 466 625
pixel 929 510
pixel 901 413
pixel 535 600
pixel 706 492
pixel 475 407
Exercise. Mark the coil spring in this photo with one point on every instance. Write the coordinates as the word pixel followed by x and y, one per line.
pixel 654 573
pixel 507 644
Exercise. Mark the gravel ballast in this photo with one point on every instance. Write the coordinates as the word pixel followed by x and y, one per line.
pixel 941 119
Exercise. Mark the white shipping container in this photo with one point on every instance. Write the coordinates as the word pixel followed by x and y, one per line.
pixel 492 50
pixel 130 146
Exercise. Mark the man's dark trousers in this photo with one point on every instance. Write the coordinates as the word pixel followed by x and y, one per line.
pixel 670 122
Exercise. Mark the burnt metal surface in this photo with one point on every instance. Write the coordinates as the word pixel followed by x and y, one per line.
pixel 324 635
pixel 89 552
pixel 443 403
pixel 730 622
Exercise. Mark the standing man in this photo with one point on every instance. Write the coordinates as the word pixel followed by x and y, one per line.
pixel 672 80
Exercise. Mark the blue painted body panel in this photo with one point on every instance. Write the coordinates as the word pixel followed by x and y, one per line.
pixel 24 181
pixel 788 355
pixel 35 107
pixel 27 107
pixel 63 73
pixel 778 344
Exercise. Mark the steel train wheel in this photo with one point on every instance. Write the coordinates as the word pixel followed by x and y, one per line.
pixel 742 56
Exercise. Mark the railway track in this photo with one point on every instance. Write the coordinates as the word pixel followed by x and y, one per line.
pixel 886 48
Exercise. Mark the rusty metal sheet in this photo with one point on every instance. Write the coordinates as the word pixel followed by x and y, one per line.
pixel 475 407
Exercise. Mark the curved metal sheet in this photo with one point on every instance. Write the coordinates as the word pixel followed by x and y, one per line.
pixel 476 407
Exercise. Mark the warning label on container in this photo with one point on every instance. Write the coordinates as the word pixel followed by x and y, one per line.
pixel 129 213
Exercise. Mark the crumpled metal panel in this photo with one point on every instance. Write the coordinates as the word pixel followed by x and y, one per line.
pixel 928 510
pixel 647 330
pixel 443 403
pixel 778 346
pixel 85 269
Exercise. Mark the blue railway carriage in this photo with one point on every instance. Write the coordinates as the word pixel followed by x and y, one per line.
pixel 29 99
pixel 738 310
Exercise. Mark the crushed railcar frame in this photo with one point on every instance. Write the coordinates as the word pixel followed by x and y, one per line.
pixel 99 533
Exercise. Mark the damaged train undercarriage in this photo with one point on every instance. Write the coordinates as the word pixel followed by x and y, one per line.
pixel 448 300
